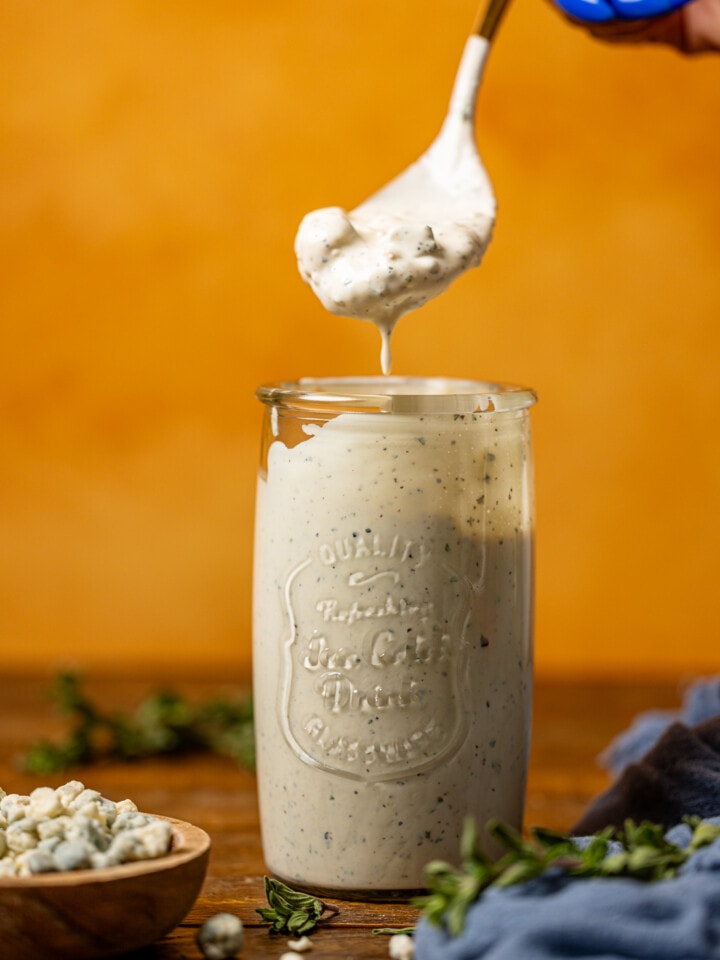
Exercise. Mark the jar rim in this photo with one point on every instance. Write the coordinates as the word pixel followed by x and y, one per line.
pixel 396 394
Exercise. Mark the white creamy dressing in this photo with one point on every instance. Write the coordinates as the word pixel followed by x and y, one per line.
pixel 392 613
pixel 393 641
pixel 409 241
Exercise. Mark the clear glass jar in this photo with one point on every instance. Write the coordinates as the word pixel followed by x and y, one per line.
pixel 392 625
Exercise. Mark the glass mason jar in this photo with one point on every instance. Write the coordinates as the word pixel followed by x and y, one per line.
pixel 392 625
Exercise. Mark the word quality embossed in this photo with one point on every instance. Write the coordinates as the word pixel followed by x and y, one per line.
pixel 374 656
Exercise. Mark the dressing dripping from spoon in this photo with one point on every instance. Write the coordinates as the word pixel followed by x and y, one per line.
pixel 406 243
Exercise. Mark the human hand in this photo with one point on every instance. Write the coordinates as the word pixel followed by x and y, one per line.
pixel 693 27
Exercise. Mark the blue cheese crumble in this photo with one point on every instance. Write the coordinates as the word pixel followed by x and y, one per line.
pixel 221 937
pixel 73 828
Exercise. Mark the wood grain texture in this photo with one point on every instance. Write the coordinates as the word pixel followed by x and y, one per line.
pixel 572 723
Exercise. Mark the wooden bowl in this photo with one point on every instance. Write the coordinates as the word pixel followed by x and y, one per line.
pixel 88 914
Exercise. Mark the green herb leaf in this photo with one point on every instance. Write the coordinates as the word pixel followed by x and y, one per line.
pixel 641 851
pixel 162 724
pixel 291 911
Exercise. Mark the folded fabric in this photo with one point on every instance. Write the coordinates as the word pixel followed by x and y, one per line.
pixel 668 764
pixel 701 702
pixel 679 776
pixel 559 918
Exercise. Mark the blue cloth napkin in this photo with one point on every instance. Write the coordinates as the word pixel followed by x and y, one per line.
pixel 556 918
pixel 560 918
pixel 668 765
pixel 701 702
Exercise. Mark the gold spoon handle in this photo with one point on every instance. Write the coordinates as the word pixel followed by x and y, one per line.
pixel 487 22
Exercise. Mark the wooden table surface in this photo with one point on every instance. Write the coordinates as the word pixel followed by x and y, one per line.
pixel 572 723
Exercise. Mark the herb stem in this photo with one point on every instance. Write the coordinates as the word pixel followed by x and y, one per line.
pixel 639 851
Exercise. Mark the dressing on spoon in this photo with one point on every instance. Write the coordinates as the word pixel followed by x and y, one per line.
pixel 409 241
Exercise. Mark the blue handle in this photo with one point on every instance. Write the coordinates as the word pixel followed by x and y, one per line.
pixel 601 11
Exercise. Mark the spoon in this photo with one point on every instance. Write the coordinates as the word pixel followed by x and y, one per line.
pixel 408 241
pixel 449 180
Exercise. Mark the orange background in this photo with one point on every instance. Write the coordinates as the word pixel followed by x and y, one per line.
pixel 156 160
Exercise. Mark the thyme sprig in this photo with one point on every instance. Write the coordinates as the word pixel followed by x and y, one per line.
pixel 162 724
pixel 291 911
pixel 640 851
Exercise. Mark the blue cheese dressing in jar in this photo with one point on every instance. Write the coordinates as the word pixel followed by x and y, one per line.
pixel 392 625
